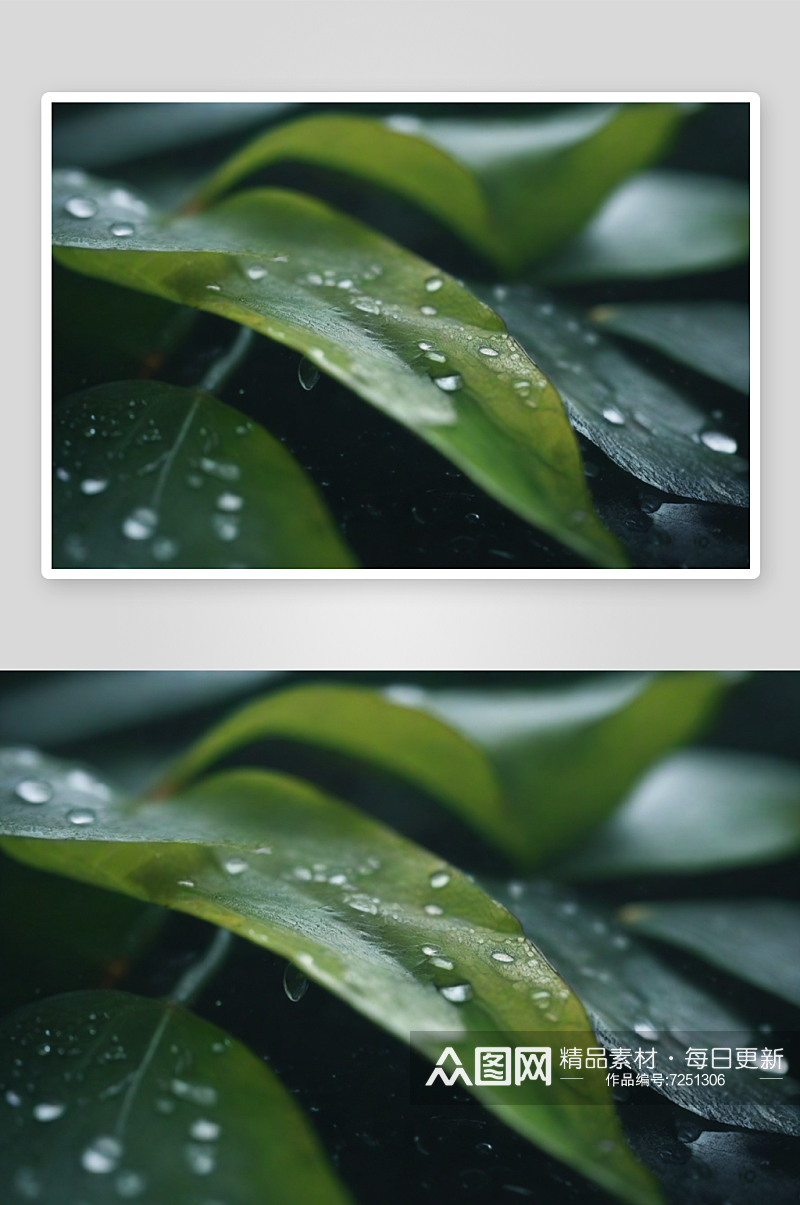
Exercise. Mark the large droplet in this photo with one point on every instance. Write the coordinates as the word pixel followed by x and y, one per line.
pixel 235 865
pixel 121 229
pixel 719 442
pixel 81 207
pixel 33 791
pixel 613 416
pixel 204 1130
pixel 256 272
pixel 48 1111
pixel 140 523
pixel 428 310
pixel 439 879
pixel 458 993
pixel 230 502
pixel 449 384
pixel 81 816
pixel 102 1155
pixel 488 351
pixel 433 284
pixel 500 956
pixel 307 373
pixel 646 1030
pixel 295 983
pixel 93 485
pixel 433 910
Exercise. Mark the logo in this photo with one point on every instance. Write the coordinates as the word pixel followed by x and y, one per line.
pixel 493 1066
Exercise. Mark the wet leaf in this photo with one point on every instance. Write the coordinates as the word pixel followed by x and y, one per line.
pixel 67 935
pixel 352 904
pixel 697 811
pixel 513 189
pixel 148 475
pixel 139 1099
pixel 644 425
pixel 757 940
pixel 712 337
pixel 631 997
pixel 361 724
pixel 61 707
pixel 405 337
pixel 659 224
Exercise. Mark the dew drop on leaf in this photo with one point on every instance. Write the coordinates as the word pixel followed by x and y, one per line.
pixel 499 956
pixel 613 416
pixel 719 442
pixel 33 791
pixel 440 878
pixel 434 283
pixel 449 384
pixel 93 485
pixel 121 229
pixel 433 910
pixel 140 523
pixel 488 351
pixel 81 207
pixel 204 1130
pixel 102 1155
pixel 307 374
pixel 235 865
pixel 81 816
pixel 295 983
pixel 48 1110
pixel 230 502
pixel 458 993
pixel 427 310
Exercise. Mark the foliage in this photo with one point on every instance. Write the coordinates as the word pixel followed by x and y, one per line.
pixel 560 196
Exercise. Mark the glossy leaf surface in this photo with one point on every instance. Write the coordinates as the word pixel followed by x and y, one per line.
pixel 148 475
pixel 379 921
pixel 757 940
pixel 632 997
pixel 643 424
pixel 699 810
pixel 137 1099
pixel 513 189
pixel 659 224
pixel 407 338
pixel 712 337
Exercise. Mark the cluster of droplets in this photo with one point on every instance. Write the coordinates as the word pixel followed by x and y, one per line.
pixel 61 789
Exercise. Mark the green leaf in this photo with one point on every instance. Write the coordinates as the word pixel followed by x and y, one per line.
pixel 566 757
pixel 640 422
pixel 659 224
pixel 66 935
pixel 360 724
pixel 105 333
pixel 390 331
pixel 757 940
pixel 633 999
pixel 355 906
pixel 512 189
pixel 698 811
pixel 712 337
pixel 530 770
pixel 149 475
pixel 139 1099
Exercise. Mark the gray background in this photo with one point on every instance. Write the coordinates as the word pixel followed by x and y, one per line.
pixel 376 45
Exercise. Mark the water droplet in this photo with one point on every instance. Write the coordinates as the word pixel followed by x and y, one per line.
pixel 719 442
pixel 230 502
pixel 226 527
pixel 102 1155
pixel 43 1049
pixel 433 910
pixel 129 1184
pixel 121 229
pixel 687 1130
pixel 458 993
pixel 646 1030
pixel 488 351
pixel 13 1099
pixel 186 882
pixel 338 880
pixel 164 549
pixel 500 956
pixel 81 207
pixel 362 903
pixel 307 374
pixel 303 874
pixel 48 1111
pixel 368 305
pixel 436 356
pixel 235 865
pixel 256 272
pixel 81 816
pixel 427 310
pixel 140 523
pixel 430 950
pixel 89 432
pixel 295 983
pixel 32 791
pixel 62 474
pixel 434 284
pixel 214 288
pixel 201 1159
pixel 426 346
pixel 444 963
pixel 93 485
pixel 449 384
pixel 612 415
pixel 440 879
pixel 198 1094
pixel 216 468
pixel 205 1131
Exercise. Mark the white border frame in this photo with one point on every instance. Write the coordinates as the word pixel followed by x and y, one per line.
pixel 750 98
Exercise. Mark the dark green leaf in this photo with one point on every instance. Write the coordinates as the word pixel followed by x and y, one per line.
pixel 758 940
pixel 513 189
pixel 408 339
pixel 631 997
pixel 710 336
pixel 56 935
pixel 355 906
pixel 659 224
pixel 639 421
pixel 62 707
pixel 110 1096
pixel 698 811
pixel 149 475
